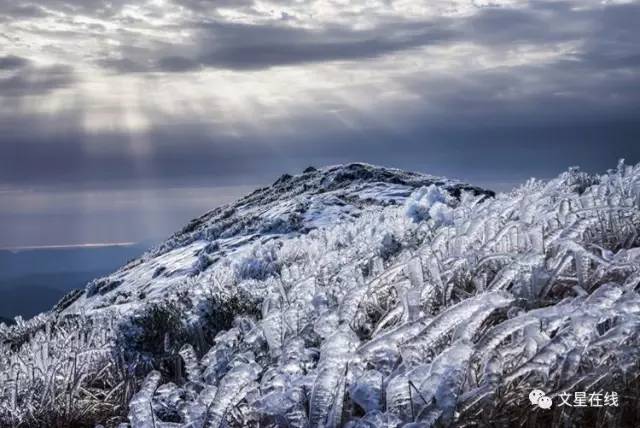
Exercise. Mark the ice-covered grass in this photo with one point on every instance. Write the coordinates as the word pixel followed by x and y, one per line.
pixel 442 311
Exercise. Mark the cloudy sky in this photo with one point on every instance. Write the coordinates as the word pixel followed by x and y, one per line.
pixel 122 119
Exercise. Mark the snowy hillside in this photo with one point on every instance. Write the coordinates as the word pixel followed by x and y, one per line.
pixel 292 206
pixel 354 296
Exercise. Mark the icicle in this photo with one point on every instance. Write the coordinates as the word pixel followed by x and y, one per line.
pixel 393 338
pixel 449 320
pixel 570 365
pixel 366 392
pixel 505 277
pixel 400 389
pixel 194 414
pixel 468 330
pixel 573 336
pixel 140 411
pixel 471 400
pixel 392 316
pixel 334 357
pixel 414 272
pixel 232 389
pixel 446 377
pixel 493 337
pixel 194 373
pixel 273 332
pixel 358 293
pixel 493 369
pixel 334 419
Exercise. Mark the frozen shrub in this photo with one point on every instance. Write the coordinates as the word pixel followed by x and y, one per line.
pixel 389 246
pixel 250 268
pixel 441 214
pixel 261 264
pixel 101 286
pixel 157 330
pixel 221 309
pixel 68 299
pixel 201 264
pixel 63 376
pixel 426 202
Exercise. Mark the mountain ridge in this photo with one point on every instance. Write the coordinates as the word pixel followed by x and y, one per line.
pixel 292 205
pixel 317 181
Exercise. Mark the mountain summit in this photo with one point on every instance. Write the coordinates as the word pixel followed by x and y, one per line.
pixel 354 296
pixel 292 206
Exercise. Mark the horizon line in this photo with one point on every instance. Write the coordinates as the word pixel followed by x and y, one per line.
pixel 69 246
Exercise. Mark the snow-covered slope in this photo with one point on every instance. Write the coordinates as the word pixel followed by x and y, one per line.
pixel 355 296
pixel 292 206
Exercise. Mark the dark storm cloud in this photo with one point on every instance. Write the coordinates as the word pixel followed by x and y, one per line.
pixel 549 22
pixel 12 62
pixel 494 124
pixel 102 8
pixel 173 64
pixel 37 150
pixel 594 85
pixel 40 9
pixel 255 47
pixel 471 131
pixel 237 46
pixel 125 65
pixel 227 45
pixel 564 105
pixel 14 11
pixel 246 47
pixel 206 5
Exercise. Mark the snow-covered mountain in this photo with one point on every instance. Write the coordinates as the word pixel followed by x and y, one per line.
pixel 292 206
pixel 354 296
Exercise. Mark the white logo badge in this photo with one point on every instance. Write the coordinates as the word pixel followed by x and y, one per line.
pixel 544 402
pixel 538 398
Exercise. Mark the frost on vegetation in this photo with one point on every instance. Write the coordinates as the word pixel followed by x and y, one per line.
pixel 60 372
pixel 472 303
pixel 430 203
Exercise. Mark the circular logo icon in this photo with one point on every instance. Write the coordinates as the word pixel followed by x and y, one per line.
pixel 544 402
pixel 535 395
